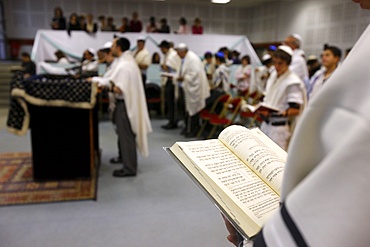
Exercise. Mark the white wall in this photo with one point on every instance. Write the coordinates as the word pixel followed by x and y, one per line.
pixel 24 17
pixel 337 22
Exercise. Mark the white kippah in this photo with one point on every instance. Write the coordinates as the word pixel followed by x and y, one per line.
pixel 286 49
pixel 266 57
pixel 107 45
pixel 182 46
pixel 141 38
pixel 311 57
pixel 298 37
pixel 92 51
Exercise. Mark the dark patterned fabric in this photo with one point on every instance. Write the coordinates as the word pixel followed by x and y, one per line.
pixel 46 90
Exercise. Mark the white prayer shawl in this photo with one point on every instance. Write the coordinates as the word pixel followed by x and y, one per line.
pixel 299 66
pixel 90 65
pixel 326 179
pixel 258 80
pixel 172 60
pixel 48 68
pixel 316 82
pixel 63 60
pixel 276 89
pixel 243 75
pixel 142 57
pixel 210 69
pixel 104 80
pixel 195 84
pixel 222 75
pixel 126 75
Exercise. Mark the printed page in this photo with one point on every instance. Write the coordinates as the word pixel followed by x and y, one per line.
pixel 226 171
pixel 258 151
pixel 261 106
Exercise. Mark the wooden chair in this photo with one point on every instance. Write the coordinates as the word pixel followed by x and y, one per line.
pixel 205 114
pixel 227 118
pixel 249 119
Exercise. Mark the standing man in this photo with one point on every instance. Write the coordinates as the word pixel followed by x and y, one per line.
pixel 170 64
pixel 298 65
pixel 142 57
pixel 286 92
pixel 130 114
pixel 192 78
pixel 326 177
pixel 109 60
pixel 330 60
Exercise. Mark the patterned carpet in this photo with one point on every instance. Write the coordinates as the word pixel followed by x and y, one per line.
pixel 17 185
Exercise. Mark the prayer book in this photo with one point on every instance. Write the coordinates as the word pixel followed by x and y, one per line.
pixel 261 107
pixel 168 74
pixel 241 172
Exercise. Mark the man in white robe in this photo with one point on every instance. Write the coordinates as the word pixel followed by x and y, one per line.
pixel 326 178
pixel 330 61
pixel 298 64
pixel 192 78
pixel 170 64
pixel 142 57
pixel 89 64
pixel 286 92
pixel 131 113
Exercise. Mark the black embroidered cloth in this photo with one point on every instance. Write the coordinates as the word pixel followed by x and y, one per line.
pixel 46 90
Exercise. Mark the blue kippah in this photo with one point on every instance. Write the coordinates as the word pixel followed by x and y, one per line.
pixel 220 54
pixel 272 48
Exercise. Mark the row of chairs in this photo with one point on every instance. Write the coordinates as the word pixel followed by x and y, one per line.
pixel 228 115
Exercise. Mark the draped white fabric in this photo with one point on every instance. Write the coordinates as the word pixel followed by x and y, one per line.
pixel 73 45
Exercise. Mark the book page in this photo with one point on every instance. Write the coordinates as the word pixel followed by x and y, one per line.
pixel 261 154
pixel 168 74
pixel 227 172
pixel 261 106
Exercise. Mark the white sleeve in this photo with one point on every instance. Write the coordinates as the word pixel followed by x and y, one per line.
pixel 102 81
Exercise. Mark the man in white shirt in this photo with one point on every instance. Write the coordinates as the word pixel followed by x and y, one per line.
pixel 125 82
pixel 326 178
pixel 142 57
pixel 298 64
pixel 90 64
pixel 286 92
pixel 170 64
pixel 192 78
pixel 330 60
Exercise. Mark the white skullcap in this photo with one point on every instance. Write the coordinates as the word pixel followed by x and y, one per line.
pixel 141 38
pixel 92 51
pixel 266 57
pixel 182 46
pixel 286 49
pixel 311 57
pixel 107 45
pixel 298 37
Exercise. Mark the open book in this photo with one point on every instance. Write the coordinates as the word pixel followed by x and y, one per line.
pixel 241 172
pixel 168 74
pixel 261 107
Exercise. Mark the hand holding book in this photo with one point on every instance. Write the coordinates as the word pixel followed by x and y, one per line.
pixel 241 171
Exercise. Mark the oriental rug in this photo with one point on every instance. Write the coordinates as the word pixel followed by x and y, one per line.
pixel 17 185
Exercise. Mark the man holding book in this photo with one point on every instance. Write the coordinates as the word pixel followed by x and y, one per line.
pixel 192 78
pixel 284 91
pixel 326 179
